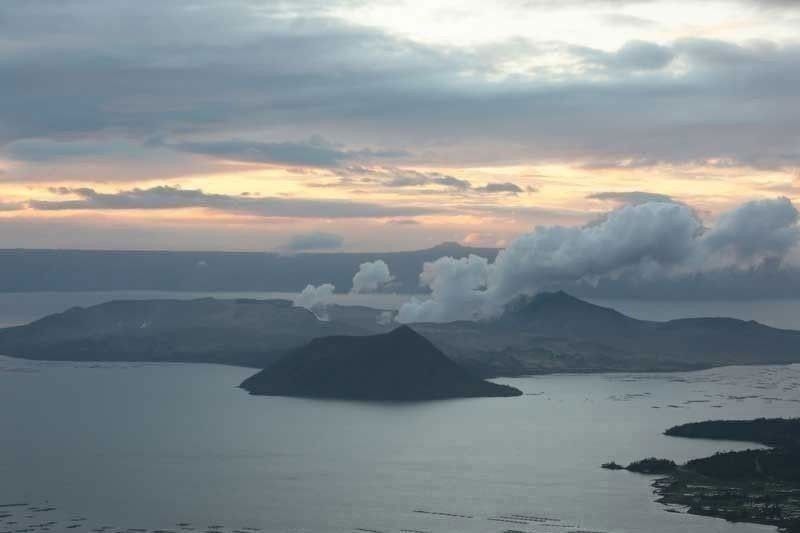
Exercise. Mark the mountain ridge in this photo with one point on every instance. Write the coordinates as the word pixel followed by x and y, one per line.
pixel 547 333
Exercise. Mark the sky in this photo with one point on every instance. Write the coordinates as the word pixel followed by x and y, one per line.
pixel 384 125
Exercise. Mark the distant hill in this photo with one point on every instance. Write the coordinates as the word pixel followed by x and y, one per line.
pixel 776 432
pixel 550 332
pixel 91 270
pixel 399 366
pixel 556 332
pixel 238 332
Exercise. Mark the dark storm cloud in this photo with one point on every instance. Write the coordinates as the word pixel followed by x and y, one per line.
pixel 79 67
pixel 165 197
pixel 315 240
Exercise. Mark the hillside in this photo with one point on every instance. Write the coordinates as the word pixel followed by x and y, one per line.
pixel 237 332
pixel 399 366
pixel 551 332
pixel 555 332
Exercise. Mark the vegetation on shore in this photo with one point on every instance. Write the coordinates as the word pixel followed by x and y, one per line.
pixel 757 486
pixel 774 432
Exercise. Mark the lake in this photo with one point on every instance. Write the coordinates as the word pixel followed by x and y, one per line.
pixel 181 448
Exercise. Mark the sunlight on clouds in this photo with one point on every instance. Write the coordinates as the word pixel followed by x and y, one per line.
pixel 602 25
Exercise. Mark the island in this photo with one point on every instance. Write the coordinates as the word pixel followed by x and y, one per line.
pixel 759 486
pixel 651 465
pixel 550 332
pixel 401 365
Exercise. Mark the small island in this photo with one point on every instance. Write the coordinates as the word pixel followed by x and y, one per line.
pixel 651 465
pixel 401 365
pixel 758 486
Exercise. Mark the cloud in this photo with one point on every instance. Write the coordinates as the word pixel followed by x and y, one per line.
pixel 458 292
pixel 403 222
pixel 166 197
pixel 494 188
pixel 757 229
pixel 413 178
pixel 371 277
pixel 394 177
pixel 11 206
pixel 631 197
pixel 652 240
pixel 315 240
pixel 244 70
pixel 482 239
pixel 46 150
pixel 632 56
pixel 621 19
pixel 315 151
pixel 316 299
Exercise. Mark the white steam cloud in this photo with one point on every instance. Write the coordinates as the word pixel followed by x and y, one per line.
pixel 650 239
pixel 371 277
pixel 316 299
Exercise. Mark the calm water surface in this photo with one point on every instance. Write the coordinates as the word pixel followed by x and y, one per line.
pixel 152 446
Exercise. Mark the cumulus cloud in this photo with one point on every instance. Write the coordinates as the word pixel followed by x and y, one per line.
pixel 316 298
pixel 755 230
pixel 651 239
pixel 167 197
pixel 315 240
pixel 371 277
pixel 458 291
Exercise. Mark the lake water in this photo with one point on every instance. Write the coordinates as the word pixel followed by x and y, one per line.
pixel 152 446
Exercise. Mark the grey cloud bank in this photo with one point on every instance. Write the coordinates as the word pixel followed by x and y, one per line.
pixel 75 69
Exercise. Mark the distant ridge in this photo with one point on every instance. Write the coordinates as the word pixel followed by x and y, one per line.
pixel 106 270
pixel 550 332
pixel 244 332
pixel 556 332
pixel 397 366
